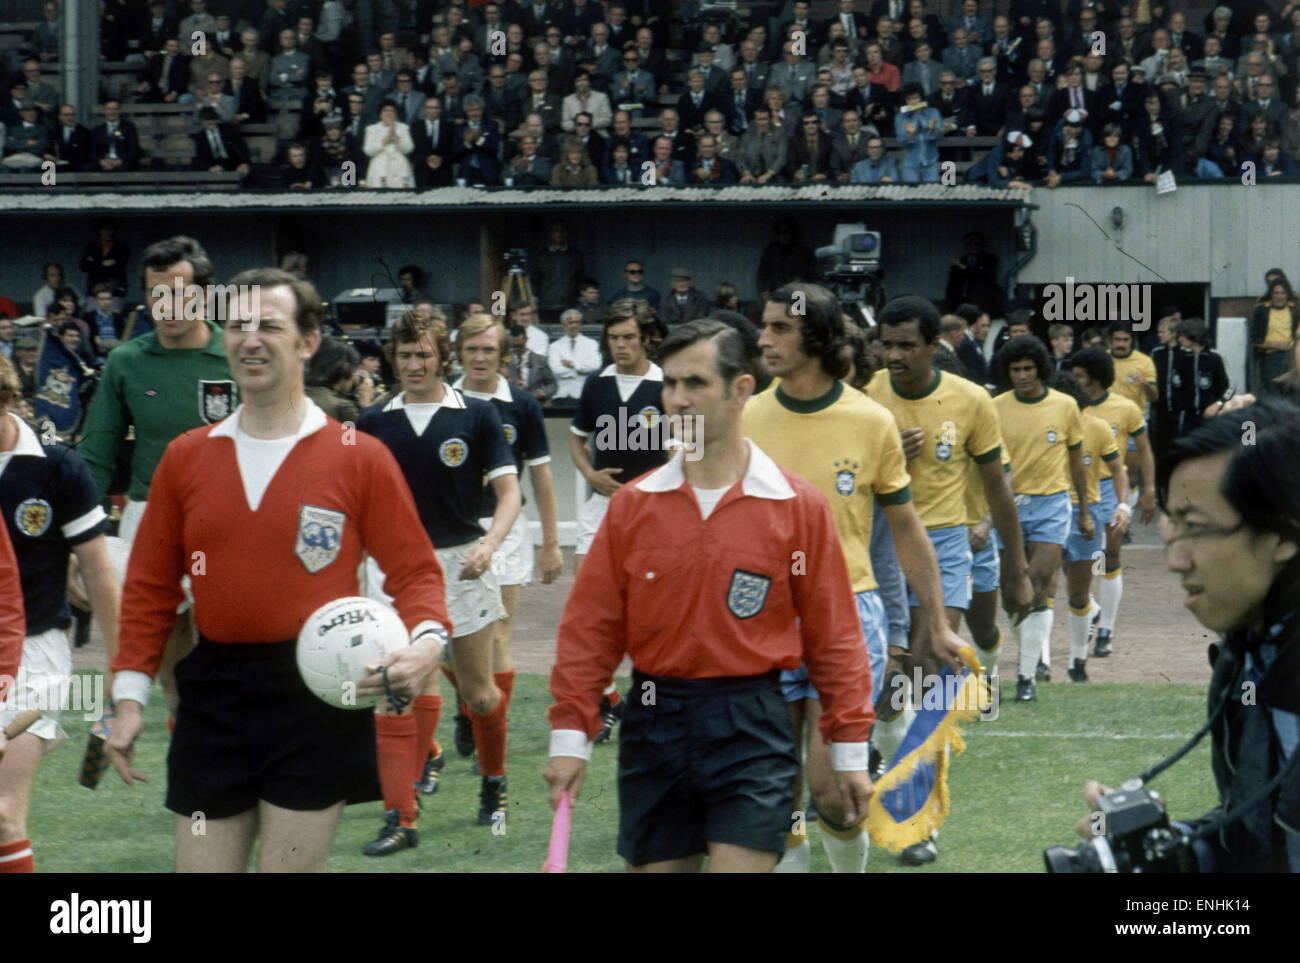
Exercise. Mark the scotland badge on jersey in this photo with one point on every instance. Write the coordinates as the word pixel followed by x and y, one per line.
pixel 32 517
pixel 748 593
pixel 452 452
pixel 320 533
pixel 216 400
pixel 511 433
pixel 845 478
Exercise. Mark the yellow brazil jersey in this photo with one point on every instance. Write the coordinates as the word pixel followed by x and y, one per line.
pixel 960 425
pixel 1099 447
pixel 845 444
pixel 1124 418
pixel 1037 434
pixel 977 503
pixel 1136 363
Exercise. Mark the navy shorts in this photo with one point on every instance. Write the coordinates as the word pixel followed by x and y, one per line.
pixel 249 729
pixel 710 761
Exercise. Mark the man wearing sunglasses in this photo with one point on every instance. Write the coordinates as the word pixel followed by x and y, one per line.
pixel 634 286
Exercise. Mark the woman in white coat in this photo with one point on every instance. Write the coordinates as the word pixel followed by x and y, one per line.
pixel 388 144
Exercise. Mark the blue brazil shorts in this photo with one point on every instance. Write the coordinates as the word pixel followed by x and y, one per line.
pixel 952 548
pixel 985 570
pixel 249 729
pixel 1078 548
pixel 1044 518
pixel 871 613
pixel 711 760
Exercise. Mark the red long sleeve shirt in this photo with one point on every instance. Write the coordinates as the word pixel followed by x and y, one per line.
pixel 693 598
pixel 13 620
pixel 262 573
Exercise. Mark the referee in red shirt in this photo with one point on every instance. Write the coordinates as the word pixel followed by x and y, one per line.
pixel 239 506
pixel 713 573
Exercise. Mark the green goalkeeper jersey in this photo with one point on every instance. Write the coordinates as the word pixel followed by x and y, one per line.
pixel 162 392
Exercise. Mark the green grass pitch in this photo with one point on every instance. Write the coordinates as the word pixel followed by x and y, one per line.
pixel 1016 789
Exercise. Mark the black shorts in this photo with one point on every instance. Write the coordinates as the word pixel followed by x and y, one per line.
pixel 712 760
pixel 249 729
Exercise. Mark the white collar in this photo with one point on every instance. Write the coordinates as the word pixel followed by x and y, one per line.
pixel 312 422
pixel 653 373
pixel 763 479
pixel 28 443
pixel 501 392
pixel 450 399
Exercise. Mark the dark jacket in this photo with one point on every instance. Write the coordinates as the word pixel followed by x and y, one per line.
pixel 1245 746
pixel 250 101
pixel 101 268
pixel 235 148
pixel 696 306
pixel 128 144
pixel 424 148
pixel 76 151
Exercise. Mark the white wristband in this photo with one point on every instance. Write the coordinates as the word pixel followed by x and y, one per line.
pixel 570 742
pixel 849 756
pixel 1123 507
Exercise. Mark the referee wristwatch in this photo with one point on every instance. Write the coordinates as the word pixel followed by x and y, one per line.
pixel 434 629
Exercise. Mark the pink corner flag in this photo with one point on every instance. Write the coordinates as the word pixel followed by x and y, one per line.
pixel 557 859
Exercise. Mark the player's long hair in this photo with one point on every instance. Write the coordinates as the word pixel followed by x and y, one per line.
pixel 411 328
pixel 476 324
pixel 822 327
pixel 1021 348
pixel 1097 363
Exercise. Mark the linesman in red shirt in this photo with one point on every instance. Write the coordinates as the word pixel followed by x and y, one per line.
pixel 269 512
pixel 713 573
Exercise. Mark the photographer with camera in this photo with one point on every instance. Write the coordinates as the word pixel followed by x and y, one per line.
pixel 1231 528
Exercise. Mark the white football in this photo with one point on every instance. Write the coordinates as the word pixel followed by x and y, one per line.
pixel 339 640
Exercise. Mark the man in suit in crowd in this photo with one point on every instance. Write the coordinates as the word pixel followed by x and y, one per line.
pixel 528 370
pixel 114 144
pixel 167 76
pixel 218 147
pixel 72 141
pixel 371 97
pixel 738 102
pixel 848 147
pixel 432 137
pixel 988 102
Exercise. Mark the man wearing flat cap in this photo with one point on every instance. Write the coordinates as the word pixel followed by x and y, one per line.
pixel 684 303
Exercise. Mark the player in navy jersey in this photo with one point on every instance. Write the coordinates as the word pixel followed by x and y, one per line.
pixel 51 509
pixel 447 447
pixel 480 347
pixel 619 411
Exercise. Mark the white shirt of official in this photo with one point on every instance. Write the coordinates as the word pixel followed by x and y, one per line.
pixel 584 352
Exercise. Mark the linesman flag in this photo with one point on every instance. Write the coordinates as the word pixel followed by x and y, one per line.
pixel 911 798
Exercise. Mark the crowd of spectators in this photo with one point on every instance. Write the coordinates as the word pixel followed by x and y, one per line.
pixel 427 94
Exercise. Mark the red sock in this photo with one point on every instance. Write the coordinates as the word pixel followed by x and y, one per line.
pixel 451 677
pixel 613 696
pixel 428 708
pixel 16 857
pixel 171 725
pixel 506 683
pixel 490 737
pixel 396 742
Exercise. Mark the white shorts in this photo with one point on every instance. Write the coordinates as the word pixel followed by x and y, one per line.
pixel 589 519
pixel 513 562
pixel 471 604
pixel 120 552
pixel 44 677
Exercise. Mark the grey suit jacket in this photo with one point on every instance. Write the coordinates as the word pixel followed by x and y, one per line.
pixel 797 81
pixel 540 376
pixel 755 155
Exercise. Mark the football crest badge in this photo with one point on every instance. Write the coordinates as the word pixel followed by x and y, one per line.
pixel 32 517
pixel 511 433
pixel 320 533
pixel 846 475
pixel 747 594
pixel 452 452
pixel 216 400
pixel 1051 436
pixel 649 416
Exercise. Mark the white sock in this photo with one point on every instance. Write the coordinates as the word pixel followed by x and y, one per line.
pixel 1031 642
pixel 1112 590
pixel 796 860
pixel 1079 636
pixel 888 736
pixel 1045 656
pixel 989 657
pixel 612 687
pixel 846 855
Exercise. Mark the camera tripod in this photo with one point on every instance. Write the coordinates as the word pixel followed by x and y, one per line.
pixel 519 290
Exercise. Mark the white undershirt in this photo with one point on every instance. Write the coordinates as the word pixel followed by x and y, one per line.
pixel 259 459
pixel 627 384
pixel 420 415
pixel 709 498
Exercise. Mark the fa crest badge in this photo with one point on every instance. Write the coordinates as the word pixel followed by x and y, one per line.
pixel 320 533
pixel 748 593
pixel 511 434
pixel 216 400
pixel 452 452
pixel 33 516
pixel 846 476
